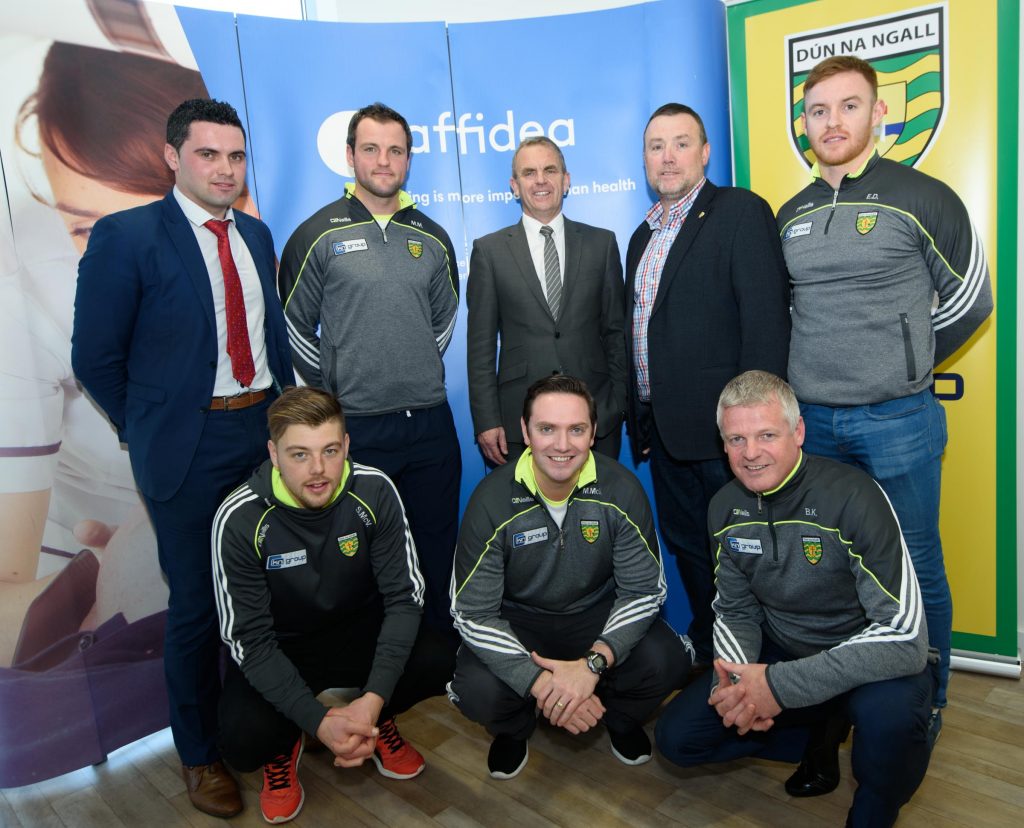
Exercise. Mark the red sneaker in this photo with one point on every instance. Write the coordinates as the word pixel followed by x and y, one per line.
pixel 396 758
pixel 282 796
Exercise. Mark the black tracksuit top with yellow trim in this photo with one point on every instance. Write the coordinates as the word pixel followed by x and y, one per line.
pixel 283 572
pixel 820 566
pixel 512 553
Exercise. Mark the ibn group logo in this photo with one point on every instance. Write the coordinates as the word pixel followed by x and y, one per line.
pixel 908 51
pixel 466 133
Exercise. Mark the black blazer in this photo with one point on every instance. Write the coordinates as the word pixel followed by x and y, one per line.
pixel 722 308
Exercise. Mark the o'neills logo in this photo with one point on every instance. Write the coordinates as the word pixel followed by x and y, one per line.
pixel 908 51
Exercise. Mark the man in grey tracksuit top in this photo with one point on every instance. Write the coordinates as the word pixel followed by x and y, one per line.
pixel 547 578
pixel 817 611
pixel 889 280
pixel 370 288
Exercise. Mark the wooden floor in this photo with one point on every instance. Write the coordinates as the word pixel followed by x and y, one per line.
pixel 976 778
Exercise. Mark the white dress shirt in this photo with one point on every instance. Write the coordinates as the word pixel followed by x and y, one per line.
pixel 252 292
pixel 536 241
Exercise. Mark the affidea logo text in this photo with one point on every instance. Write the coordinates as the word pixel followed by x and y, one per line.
pixel 466 134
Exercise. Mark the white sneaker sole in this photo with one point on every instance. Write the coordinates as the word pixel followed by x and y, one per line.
pixel 503 775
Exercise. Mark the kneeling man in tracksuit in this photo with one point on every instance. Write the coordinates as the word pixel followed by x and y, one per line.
pixel 819 621
pixel 318 586
pixel 556 592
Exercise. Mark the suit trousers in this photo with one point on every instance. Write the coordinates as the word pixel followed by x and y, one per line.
pixel 253 732
pixel 232 444
pixel 682 491
pixel 420 452
pixel 630 691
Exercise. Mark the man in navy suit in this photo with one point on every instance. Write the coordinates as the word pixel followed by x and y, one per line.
pixel 707 298
pixel 180 338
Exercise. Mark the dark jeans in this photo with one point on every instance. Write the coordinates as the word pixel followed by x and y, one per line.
pixel 253 732
pixel 630 691
pixel 420 452
pixel 900 444
pixel 682 492
pixel 890 742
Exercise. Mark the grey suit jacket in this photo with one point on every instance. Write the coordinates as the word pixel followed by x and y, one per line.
pixel 505 300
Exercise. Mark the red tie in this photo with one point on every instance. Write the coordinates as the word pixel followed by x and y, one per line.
pixel 239 349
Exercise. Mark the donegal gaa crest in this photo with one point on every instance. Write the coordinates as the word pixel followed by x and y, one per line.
pixel 812 549
pixel 908 51
pixel 348 545
pixel 590 529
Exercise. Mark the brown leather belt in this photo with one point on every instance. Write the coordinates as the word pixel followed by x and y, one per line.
pixel 240 401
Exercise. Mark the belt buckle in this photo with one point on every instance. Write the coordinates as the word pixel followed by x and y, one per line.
pixel 225 403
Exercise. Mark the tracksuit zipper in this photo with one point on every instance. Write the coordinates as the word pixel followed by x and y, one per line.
pixel 832 212
pixel 771 525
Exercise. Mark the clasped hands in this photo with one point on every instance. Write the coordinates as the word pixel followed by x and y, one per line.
pixel 350 732
pixel 743 697
pixel 565 694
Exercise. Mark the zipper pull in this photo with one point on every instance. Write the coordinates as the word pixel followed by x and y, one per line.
pixel 759 510
pixel 561 540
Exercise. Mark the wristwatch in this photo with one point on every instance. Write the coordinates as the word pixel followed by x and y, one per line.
pixel 596 662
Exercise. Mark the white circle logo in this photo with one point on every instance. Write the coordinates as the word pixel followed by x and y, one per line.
pixel 330 142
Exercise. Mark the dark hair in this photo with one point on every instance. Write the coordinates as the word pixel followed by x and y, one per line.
pixel 180 121
pixel 559 384
pixel 837 65
pixel 101 113
pixel 537 141
pixel 679 109
pixel 382 114
pixel 302 406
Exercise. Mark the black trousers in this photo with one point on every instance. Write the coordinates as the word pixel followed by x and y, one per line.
pixel 253 732
pixel 419 450
pixel 630 691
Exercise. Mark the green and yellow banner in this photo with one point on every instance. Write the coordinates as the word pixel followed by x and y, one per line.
pixel 948 73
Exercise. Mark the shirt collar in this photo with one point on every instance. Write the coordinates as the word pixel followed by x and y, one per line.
pixel 656 218
pixel 196 214
pixel 525 475
pixel 404 199
pixel 531 225
pixel 816 170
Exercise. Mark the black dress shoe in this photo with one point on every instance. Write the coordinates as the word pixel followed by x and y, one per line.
pixel 818 773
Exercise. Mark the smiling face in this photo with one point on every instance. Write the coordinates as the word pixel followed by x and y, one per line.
pixel 539 182
pixel 311 461
pixel 674 156
pixel 762 447
pixel 380 161
pixel 560 434
pixel 209 169
pixel 840 114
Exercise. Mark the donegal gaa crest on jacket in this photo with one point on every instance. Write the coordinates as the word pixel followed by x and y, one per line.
pixel 590 529
pixel 348 545
pixel 812 549
pixel 908 51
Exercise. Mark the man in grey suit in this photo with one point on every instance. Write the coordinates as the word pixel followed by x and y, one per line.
pixel 551 289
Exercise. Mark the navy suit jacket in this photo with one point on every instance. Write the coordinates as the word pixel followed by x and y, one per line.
pixel 506 301
pixel 722 308
pixel 145 338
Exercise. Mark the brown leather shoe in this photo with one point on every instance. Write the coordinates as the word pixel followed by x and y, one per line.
pixel 212 789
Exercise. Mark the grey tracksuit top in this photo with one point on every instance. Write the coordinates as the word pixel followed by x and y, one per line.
pixel 370 311
pixel 820 566
pixel 865 262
